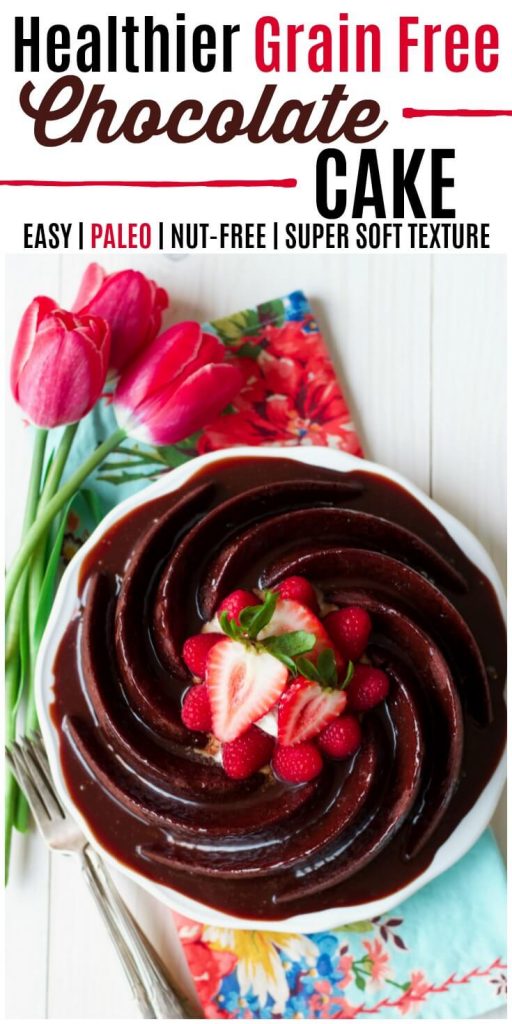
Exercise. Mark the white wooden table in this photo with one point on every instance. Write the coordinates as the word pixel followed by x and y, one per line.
pixel 419 343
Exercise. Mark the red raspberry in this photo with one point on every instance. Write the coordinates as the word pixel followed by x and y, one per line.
pixel 349 628
pixel 297 588
pixel 196 712
pixel 247 754
pixel 196 650
pixel 299 763
pixel 342 737
pixel 369 686
pixel 235 603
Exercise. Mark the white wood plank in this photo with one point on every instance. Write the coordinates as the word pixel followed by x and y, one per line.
pixel 382 307
pixel 469 404
pixel 85 979
pixel 27 903
pixel 469 394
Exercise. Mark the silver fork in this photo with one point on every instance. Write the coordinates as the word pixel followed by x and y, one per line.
pixel 155 996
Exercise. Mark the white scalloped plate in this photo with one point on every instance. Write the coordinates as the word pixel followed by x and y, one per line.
pixel 460 841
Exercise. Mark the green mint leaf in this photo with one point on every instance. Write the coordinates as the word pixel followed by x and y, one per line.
pixel 326 665
pixel 323 672
pixel 349 673
pixel 291 644
pixel 262 615
pixel 247 615
pixel 308 669
pixel 229 626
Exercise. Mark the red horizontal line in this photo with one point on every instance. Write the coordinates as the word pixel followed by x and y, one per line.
pixel 220 183
pixel 460 112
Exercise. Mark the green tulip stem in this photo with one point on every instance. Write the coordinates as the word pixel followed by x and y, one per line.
pixel 13 623
pixel 35 582
pixel 59 460
pixel 12 682
pixel 18 609
pixel 50 487
pixel 55 504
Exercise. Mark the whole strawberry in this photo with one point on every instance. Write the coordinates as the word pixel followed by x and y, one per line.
pixel 300 763
pixel 369 686
pixel 196 712
pixel 349 629
pixel 235 603
pixel 249 752
pixel 196 650
pixel 298 588
pixel 342 737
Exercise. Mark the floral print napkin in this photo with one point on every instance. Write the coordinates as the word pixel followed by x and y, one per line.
pixel 442 953
pixel 291 395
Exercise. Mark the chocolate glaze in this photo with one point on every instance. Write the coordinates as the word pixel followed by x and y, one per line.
pixel 260 848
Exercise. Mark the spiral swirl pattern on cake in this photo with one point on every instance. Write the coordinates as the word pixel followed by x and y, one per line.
pixel 260 847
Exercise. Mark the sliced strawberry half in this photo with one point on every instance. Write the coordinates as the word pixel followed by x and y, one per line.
pixel 305 709
pixel 243 684
pixel 290 616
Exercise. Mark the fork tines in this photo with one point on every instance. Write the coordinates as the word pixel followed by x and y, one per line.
pixel 29 763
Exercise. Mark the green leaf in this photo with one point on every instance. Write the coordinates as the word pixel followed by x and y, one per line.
pixel 254 619
pixel 50 577
pixel 249 350
pixel 360 983
pixel 173 457
pixel 93 505
pixel 189 443
pixel 326 665
pixel 358 926
pixel 48 467
pixel 252 321
pixel 146 454
pixel 125 478
pixel 290 644
pixel 308 669
pixel 272 312
pixel 348 676
pixel 246 616
pixel 324 671
pixel 230 328
pixel 24 661
pixel 229 626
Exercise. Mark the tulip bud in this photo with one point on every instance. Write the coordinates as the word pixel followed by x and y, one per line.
pixel 59 363
pixel 131 304
pixel 177 385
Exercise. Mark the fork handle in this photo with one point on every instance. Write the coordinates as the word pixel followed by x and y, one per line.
pixel 150 985
pixel 137 986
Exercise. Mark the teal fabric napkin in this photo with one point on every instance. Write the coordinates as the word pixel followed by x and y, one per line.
pixel 440 954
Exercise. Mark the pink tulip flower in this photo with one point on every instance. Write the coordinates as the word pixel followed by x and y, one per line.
pixel 131 304
pixel 176 386
pixel 59 363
